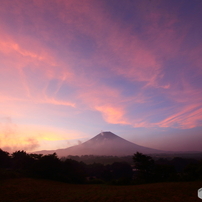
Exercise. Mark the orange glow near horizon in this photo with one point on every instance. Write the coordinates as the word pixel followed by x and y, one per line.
pixel 133 68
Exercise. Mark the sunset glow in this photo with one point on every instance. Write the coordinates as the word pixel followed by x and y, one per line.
pixel 71 68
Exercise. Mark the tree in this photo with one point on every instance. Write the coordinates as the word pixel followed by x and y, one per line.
pixel 21 160
pixel 121 170
pixel 47 166
pixel 121 173
pixel 144 165
pixel 143 162
pixel 73 171
pixel 164 172
pixel 4 159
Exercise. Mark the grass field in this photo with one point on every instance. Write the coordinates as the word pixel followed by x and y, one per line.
pixel 44 190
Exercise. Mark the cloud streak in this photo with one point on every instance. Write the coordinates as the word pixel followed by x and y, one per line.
pixel 134 64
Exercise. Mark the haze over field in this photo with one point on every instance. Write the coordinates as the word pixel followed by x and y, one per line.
pixel 71 68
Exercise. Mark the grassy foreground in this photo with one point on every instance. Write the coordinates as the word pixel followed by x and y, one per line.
pixel 45 190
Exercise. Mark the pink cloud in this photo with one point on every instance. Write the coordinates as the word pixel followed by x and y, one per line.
pixel 11 139
pixel 18 59
pixel 119 51
pixel 140 63
pixel 195 57
pixel 56 102
pixel 112 114
pixel 32 137
pixel 187 117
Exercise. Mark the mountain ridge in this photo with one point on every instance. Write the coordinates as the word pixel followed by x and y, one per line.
pixel 105 143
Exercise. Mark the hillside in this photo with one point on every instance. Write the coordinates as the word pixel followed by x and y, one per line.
pixel 105 143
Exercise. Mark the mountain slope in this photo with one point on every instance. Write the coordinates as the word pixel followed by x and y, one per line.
pixel 105 143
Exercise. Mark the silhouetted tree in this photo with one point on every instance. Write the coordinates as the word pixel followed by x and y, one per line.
pixel 164 172
pixel 143 162
pixel 144 165
pixel 121 172
pixel 21 161
pixel 73 171
pixel 107 173
pixel 193 171
pixel 95 170
pixel 4 159
pixel 179 163
pixel 47 166
pixel 36 156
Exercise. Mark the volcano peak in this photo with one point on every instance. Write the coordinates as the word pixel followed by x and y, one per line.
pixel 106 143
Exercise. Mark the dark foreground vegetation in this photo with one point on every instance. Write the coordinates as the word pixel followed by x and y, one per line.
pixel 143 169
pixel 32 190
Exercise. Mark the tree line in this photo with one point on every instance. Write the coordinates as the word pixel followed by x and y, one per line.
pixel 144 169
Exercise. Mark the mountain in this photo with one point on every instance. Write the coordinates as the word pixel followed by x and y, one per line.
pixel 105 143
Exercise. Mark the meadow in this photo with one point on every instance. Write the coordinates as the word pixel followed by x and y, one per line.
pixel 31 190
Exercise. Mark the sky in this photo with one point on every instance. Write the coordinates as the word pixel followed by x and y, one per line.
pixel 70 69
